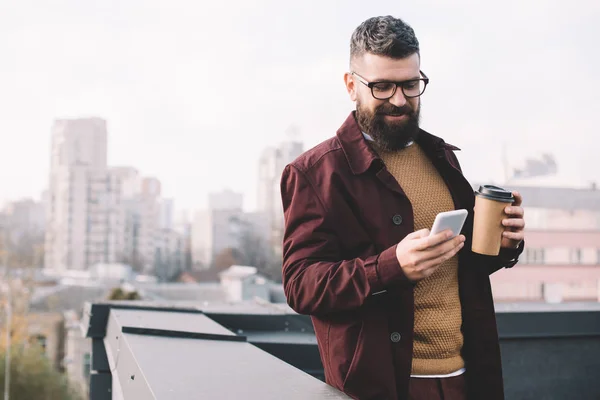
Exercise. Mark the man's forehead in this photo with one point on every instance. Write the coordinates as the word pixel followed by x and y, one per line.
pixel 373 66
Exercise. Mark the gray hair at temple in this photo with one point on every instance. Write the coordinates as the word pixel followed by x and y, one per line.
pixel 384 36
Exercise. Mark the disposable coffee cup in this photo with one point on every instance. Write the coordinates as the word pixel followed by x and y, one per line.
pixel 490 202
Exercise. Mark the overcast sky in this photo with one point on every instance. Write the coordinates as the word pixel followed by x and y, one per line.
pixel 193 90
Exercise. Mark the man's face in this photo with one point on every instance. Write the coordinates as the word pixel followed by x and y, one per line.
pixel 392 123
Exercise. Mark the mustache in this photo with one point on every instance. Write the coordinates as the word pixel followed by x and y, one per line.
pixel 390 109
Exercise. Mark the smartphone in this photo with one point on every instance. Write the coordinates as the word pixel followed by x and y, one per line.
pixel 453 220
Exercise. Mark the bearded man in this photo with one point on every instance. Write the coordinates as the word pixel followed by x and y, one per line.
pixel 398 313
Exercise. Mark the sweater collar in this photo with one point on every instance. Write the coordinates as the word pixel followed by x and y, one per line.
pixel 360 155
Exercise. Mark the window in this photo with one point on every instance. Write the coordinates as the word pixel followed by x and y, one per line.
pixel 575 256
pixel 534 256
pixel 40 340
pixel 528 256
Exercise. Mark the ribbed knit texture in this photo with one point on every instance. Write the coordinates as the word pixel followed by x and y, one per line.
pixel 437 336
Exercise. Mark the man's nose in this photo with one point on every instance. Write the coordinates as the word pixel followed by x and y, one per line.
pixel 398 99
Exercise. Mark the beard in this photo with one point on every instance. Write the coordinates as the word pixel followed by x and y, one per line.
pixel 389 135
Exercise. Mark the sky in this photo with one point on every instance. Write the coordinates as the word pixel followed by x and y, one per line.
pixel 194 90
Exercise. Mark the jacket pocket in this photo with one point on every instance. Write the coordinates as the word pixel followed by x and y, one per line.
pixel 343 340
pixel 355 358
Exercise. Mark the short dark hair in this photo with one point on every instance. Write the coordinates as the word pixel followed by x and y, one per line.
pixel 384 36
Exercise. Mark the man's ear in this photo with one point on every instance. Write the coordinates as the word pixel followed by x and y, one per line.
pixel 350 85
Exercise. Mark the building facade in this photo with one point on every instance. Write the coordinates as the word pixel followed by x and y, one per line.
pixel 561 260
pixel 98 214
pixel 77 204
pixel 270 167
pixel 224 225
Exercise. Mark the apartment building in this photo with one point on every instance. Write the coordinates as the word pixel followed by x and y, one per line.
pixel 561 261
pixel 270 167
pixel 98 214
pixel 223 225
pixel 77 206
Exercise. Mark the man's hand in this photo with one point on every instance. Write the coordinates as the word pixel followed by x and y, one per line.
pixel 420 255
pixel 514 225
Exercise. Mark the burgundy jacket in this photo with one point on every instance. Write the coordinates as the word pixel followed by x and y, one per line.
pixel 344 214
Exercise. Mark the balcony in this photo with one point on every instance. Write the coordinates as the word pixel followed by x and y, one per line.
pixel 266 351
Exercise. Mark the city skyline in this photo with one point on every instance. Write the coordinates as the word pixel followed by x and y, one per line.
pixel 96 213
pixel 181 105
pixel 288 144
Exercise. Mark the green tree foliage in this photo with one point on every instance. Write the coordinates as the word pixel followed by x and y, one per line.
pixel 120 294
pixel 32 376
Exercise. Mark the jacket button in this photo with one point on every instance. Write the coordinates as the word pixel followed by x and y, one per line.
pixel 395 337
pixel 397 219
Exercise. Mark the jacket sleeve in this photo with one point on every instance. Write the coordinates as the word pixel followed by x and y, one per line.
pixel 316 278
pixel 507 258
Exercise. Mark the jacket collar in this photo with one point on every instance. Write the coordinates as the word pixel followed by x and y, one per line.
pixel 360 155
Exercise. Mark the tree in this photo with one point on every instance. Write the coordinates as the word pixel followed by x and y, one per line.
pixel 274 268
pixel 254 251
pixel 32 374
pixel 120 294
pixel 226 258
pixel 33 377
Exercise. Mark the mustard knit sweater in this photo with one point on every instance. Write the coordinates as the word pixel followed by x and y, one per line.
pixel 437 331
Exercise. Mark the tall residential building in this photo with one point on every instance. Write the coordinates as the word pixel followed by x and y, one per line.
pixel 201 240
pixel 170 256
pixel 104 217
pixel 142 212
pixel 271 164
pixel 149 218
pixel 98 214
pixel 167 213
pixel 25 216
pixel 23 223
pixel 78 218
pixel 183 227
pixel 130 186
pixel 171 243
pixel 216 230
pixel 211 230
pixel 222 226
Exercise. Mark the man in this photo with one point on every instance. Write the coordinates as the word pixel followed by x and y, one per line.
pixel 397 313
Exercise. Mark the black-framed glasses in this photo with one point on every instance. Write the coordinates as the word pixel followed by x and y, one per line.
pixel 384 90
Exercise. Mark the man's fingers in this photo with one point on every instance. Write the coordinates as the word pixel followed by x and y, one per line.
pixel 443 248
pixel 430 241
pixel 418 234
pixel 518 236
pixel 514 223
pixel 514 211
pixel 430 266
pixel 518 199
pixel 436 240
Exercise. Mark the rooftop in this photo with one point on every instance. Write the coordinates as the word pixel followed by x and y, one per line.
pixel 64 297
pixel 186 353
pixel 64 294
pixel 159 351
pixel 239 271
